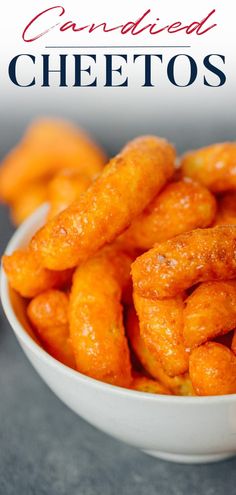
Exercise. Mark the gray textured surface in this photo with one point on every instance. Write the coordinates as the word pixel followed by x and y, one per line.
pixel 45 449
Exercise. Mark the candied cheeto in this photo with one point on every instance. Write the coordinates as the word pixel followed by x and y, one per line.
pixel 161 328
pixel 28 277
pixel 210 311
pixel 48 313
pixel 213 166
pixel 179 263
pixel 125 187
pixel 144 384
pixel 96 322
pixel 179 385
pixel 25 205
pixel 131 280
pixel 212 369
pixel 193 206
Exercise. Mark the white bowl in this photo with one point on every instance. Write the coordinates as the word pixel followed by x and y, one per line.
pixel 180 429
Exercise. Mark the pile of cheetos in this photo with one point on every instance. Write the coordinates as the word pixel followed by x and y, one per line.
pixel 132 279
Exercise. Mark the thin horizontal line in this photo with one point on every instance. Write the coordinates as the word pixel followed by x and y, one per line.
pixel 122 46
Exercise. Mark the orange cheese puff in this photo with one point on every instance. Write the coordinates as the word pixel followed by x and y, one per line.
pixel 96 326
pixel 34 196
pixel 65 187
pixel 175 265
pixel 48 146
pixel 226 213
pixel 48 313
pixel 144 384
pixel 212 369
pixel 210 311
pixel 179 385
pixel 28 277
pixel 125 187
pixel 213 166
pixel 180 207
pixel 161 328
pixel 121 264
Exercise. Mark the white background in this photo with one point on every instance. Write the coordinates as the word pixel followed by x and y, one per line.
pixel 188 116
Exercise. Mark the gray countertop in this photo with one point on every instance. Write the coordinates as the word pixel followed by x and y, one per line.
pixel 45 449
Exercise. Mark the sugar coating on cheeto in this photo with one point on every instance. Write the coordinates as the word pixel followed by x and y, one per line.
pixel 212 369
pixel 213 166
pixel 27 276
pixel 210 311
pixel 48 313
pixel 226 212
pixel 161 328
pixel 179 385
pixel 48 146
pixel 124 188
pixel 64 188
pixel 180 207
pixel 144 384
pixel 179 263
pixel 96 323
pixel 34 196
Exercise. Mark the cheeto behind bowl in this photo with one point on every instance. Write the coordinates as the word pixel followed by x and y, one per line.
pixel 34 196
pixel 64 188
pixel 48 146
